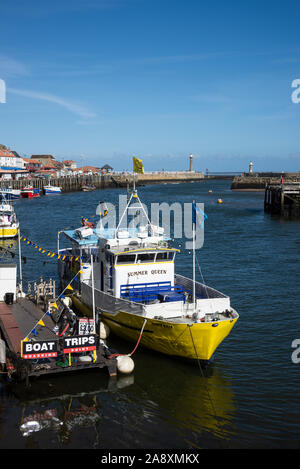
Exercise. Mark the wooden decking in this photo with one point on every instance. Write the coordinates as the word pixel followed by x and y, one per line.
pixel 283 199
pixel 10 328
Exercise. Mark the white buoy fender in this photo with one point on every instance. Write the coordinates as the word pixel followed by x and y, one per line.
pixel 85 358
pixel 30 427
pixel 103 330
pixel 125 364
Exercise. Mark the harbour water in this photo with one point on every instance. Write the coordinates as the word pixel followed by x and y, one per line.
pixel 247 398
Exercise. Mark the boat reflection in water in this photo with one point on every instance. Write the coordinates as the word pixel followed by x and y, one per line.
pixel 198 402
pixel 47 405
pixel 162 405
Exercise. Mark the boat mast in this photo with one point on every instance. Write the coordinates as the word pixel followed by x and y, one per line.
pixel 20 261
pixel 133 195
pixel 194 263
pixel 93 286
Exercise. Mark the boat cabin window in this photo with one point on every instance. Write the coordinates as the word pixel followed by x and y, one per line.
pixel 146 257
pixel 85 255
pixel 164 256
pixel 126 259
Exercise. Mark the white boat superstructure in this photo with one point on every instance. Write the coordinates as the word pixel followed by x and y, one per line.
pixel 49 189
pixel 129 274
pixel 9 225
pixel 10 194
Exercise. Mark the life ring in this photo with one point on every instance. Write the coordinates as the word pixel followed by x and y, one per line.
pixel 89 224
pixel 85 222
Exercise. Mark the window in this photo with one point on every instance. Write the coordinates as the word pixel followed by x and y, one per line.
pixel 164 256
pixel 146 257
pixel 126 259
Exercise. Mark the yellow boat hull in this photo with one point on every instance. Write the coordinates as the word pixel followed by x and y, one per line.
pixel 192 341
pixel 8 232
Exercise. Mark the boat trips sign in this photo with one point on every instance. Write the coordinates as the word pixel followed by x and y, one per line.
pixel 82 343
pixel 39 349
pixel 49 348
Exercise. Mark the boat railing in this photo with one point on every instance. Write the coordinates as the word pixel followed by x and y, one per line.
pixel 152 291
pixel 201 290
pixel 65 251
pixel 107 302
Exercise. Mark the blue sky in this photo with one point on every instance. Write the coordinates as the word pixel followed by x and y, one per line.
pixel 101 80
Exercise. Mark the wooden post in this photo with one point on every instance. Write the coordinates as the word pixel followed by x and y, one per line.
pixel 282 201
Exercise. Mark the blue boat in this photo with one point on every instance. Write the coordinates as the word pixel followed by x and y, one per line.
pixel 52 190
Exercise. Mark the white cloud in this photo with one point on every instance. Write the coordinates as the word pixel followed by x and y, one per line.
pixel 11 68
pixel 72 107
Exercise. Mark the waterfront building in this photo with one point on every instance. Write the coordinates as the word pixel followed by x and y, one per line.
pixel 11 164
pixel 106 169
pixel 32 165
pixel 69 164
pixel 89 170
pixel 46 160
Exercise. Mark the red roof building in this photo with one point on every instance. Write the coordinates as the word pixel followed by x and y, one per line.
pixel 32 165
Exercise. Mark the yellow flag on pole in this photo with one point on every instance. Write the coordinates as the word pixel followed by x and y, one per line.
pixel 138 165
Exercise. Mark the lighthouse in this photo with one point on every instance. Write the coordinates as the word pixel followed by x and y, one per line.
pixel 250 167
pixel 191 162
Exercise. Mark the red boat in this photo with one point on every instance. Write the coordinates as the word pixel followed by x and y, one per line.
pixel 29 192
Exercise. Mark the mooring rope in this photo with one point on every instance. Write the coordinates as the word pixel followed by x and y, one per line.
pixel 114 355
pixel 140 336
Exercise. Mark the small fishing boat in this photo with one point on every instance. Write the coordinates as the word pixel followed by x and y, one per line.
pixel 52 190
pixel 87 188
pixel 10 194
pixel 9 225
pixel 128 277
pixel 29 192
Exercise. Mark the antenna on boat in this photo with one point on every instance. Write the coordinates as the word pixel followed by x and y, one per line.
pixel 137 168
pixel 133 181
pixel 133 195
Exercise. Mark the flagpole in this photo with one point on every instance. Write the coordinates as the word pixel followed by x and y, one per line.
pixel 20 261
pixel 93 287
pixel 194 265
